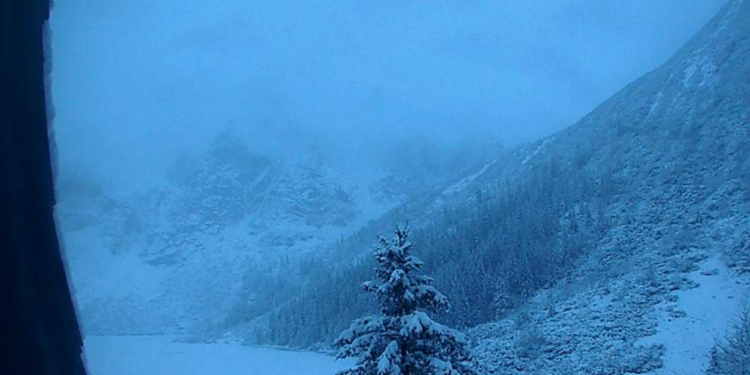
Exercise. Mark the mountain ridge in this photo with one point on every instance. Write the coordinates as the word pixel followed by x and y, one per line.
pixel 223 215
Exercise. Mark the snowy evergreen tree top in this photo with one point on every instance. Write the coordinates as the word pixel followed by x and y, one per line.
pixel 403 339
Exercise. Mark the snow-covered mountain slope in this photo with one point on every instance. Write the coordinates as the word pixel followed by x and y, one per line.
pixel 183 255
pixel 657 188
pixel 675 148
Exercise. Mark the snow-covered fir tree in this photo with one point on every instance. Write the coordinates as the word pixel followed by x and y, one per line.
pixel 402 339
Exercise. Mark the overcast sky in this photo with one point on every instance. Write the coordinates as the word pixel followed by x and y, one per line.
pixel 136 82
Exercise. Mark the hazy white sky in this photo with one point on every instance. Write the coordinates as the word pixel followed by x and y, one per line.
pixel 139 81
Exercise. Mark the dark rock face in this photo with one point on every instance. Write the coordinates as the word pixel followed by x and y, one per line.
pixel 38 329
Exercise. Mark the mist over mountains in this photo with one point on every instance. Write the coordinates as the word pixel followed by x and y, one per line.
pixel 604 248
pixel 138 84
pixel 226 213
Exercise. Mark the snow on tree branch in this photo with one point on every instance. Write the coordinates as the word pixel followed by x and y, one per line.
pixel 403 339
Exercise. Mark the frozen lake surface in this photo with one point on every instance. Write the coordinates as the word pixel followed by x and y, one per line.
pixel 161 355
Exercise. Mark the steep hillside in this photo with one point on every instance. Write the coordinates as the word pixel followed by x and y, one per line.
pixel 586 248
pixel 670 159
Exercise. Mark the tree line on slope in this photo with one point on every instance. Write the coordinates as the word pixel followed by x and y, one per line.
pixel 488 256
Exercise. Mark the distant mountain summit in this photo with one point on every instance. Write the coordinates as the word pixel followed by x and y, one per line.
pixel 222 215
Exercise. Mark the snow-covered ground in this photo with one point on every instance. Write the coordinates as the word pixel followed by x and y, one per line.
pixel 709 312
pixel 161 355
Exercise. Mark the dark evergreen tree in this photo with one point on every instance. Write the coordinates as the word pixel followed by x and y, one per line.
pixel 731 356
pixel 403 339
